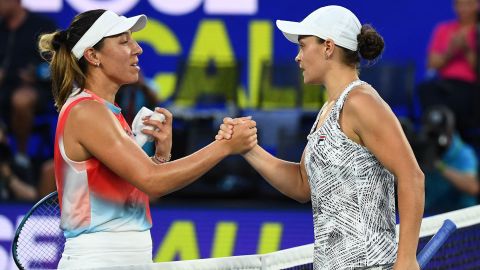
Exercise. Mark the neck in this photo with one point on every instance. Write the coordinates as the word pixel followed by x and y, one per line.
pixel 470 21
pixel 337 80
pixel 102 88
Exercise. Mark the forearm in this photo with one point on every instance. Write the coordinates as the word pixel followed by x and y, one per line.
pixel 285 176
pixel 410 206
pixel 21 190
pixel 437 61
pixel 467 183
pixel 168 177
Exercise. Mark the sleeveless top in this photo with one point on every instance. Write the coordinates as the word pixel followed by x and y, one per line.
pixel 353 198
pixel 93 198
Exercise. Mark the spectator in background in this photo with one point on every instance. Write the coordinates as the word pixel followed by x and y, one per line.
pixel 452 182
pixel 452 58
pixel 22 91
pixel 12 187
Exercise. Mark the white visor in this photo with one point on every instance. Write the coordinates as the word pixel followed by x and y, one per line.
pixel 291 30
pixel 109 24
pixel 329 22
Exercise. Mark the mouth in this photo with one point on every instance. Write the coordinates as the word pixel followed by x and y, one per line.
pixel 135 65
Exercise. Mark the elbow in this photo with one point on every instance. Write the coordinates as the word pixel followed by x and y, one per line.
pixel 475 190
pixel 303 200
pixel 419 177
pixel 152 187
pixel 412 182
pixel 419 185
pixel 303 197
pixel 157 190
pixel 419 182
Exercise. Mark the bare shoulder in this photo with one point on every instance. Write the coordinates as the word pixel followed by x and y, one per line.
pixel 93 125
pixel 364 100
pixel 90 112
pixel 364 110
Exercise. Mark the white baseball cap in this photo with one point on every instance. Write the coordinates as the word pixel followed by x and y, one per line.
pixel 108 24
pixel 329 22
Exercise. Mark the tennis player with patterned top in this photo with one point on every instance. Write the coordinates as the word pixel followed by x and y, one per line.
pixel 355 151
pixel 103 177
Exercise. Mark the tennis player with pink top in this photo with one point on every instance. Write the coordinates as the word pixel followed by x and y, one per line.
pixel 103 177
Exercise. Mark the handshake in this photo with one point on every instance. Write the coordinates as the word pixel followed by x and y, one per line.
pixel 240 134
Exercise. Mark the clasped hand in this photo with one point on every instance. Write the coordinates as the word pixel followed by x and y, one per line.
pixel 240 132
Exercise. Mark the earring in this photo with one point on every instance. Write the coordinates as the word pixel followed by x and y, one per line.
pixel 97 64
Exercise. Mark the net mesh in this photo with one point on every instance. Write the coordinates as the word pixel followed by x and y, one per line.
pixel 461 251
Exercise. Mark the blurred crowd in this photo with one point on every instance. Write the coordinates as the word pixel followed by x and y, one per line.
pixel 445 137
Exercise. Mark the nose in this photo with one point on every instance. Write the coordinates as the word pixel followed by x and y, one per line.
pixel 138 50
pixel 297 58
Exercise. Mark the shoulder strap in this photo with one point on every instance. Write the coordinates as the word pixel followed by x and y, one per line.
pixel 344 95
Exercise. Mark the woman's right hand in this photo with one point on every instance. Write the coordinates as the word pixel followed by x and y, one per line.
pixel 226 128
pixel 243 136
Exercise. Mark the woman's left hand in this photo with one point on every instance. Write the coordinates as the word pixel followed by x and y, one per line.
pixel 162 133
pixel 226 128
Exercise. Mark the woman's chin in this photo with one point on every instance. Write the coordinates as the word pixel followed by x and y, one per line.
pixel 312 81
pixel 132 79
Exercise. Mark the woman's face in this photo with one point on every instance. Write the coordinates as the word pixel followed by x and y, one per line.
pixel 119 58
pixel 466 9
pixel 310 59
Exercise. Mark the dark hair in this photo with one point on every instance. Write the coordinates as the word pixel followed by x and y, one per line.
pixel 66 71
pixel 370 46
pixel 370 43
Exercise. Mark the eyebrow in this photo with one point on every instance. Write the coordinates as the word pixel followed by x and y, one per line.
pixel 119 35
pixel 301 37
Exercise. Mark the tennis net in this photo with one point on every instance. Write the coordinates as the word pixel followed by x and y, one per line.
pixel 461 251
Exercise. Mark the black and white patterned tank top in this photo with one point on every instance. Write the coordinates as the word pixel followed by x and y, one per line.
pixel 353 198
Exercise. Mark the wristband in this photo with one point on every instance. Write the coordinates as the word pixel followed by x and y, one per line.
pixel 160 160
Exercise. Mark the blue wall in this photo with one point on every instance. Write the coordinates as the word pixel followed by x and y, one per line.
pixel 405 25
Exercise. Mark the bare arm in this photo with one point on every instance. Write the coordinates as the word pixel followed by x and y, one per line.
pixel 379 130
pixel 437 60
pixel 458 45
pixel 20 189
pixel 465 182
pixel 289 178
pixel 105 139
